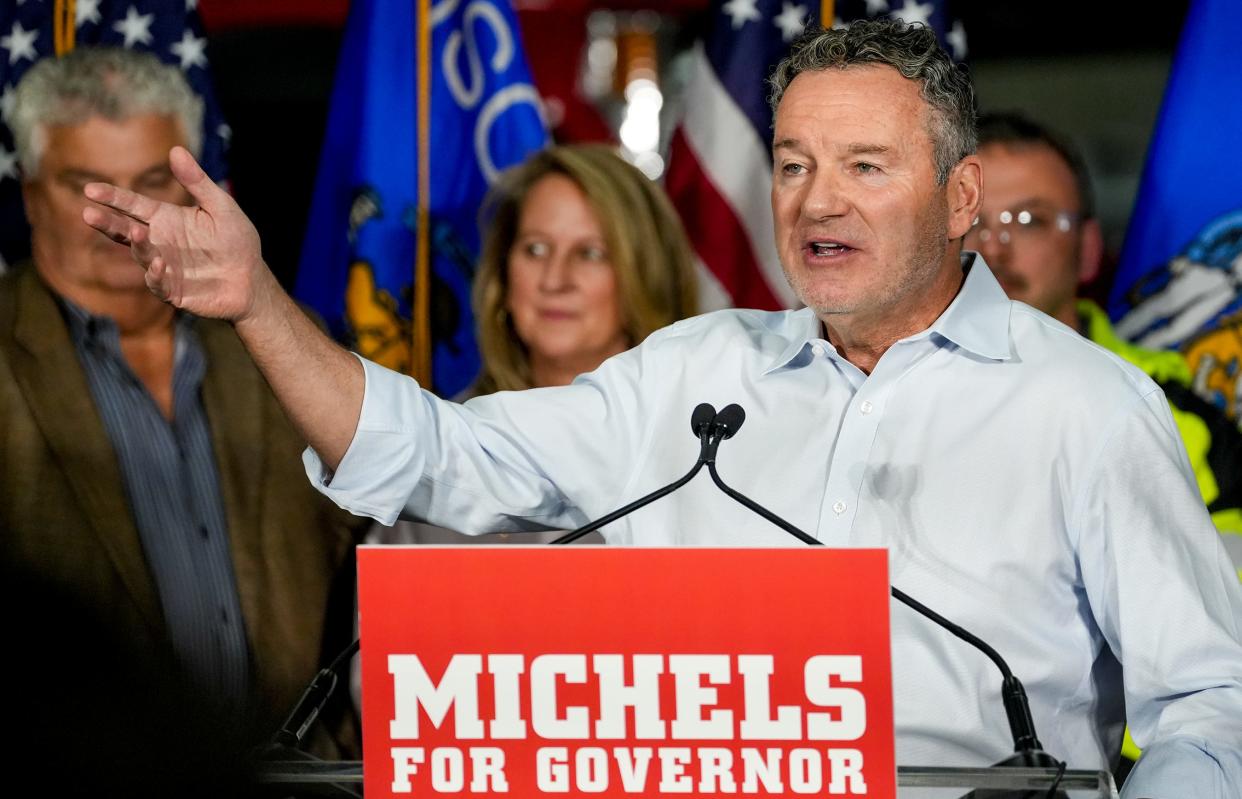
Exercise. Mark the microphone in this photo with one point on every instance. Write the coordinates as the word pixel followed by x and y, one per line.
pixel 726 423
pixel 285 744
pixel 1028 751
pixel 309 706
pixel 701 419
pixel 729 420
pixel 705 423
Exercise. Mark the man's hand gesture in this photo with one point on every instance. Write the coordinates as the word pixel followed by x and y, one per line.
pixel 204 259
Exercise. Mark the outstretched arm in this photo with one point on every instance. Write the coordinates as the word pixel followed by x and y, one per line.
pixel 206 260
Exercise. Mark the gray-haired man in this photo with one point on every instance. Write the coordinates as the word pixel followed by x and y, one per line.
pixel 1026 483
pixel 147 469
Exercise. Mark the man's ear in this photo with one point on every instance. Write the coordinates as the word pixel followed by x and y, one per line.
pixel 1090 250
pixel 964 192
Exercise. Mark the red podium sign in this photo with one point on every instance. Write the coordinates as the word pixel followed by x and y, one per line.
pixel 578 671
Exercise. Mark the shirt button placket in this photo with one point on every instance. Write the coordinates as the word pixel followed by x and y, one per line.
pixel 857 433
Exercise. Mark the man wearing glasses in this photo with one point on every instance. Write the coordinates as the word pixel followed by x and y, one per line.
pixel 1038 232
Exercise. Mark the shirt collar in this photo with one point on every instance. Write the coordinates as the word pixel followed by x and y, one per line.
pixel 804 327
pixel 97 331
pixel 977 320
pixel 88 329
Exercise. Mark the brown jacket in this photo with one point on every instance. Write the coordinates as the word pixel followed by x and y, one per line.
pixel 64 515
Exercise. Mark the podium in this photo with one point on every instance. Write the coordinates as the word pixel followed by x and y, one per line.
pixel 310 778
pixel 610 671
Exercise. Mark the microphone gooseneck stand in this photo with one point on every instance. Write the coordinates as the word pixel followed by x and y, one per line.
pixel 285 745
pixel 702 424
pixel 1028 751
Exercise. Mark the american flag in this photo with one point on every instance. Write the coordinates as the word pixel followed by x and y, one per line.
pixel 720 166
pixel 35 29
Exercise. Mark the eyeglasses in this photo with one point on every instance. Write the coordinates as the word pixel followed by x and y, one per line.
pixel 1023 224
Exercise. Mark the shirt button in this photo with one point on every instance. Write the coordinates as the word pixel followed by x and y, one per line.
pixel 866 407
pixel 838 507
pixel 818 350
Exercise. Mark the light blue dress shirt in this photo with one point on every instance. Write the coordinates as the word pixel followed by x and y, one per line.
pixel 1027 484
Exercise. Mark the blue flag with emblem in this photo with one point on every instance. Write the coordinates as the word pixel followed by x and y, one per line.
pixel 1181 266
pixel 29 31
pixel 359 258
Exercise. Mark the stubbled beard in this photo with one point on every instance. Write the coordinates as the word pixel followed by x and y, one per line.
pixel 917 272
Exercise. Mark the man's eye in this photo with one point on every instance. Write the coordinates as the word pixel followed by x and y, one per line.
pixel 864 168
pixel 73 184
pixel 792 169
pixel 155 182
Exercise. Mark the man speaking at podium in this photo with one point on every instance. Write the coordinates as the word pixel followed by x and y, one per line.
pixel 1027 484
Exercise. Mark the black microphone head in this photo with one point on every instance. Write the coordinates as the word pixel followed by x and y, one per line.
pixel 729 420
pixel 702 418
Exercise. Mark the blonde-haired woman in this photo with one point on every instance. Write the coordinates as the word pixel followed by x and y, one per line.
pixel 583 257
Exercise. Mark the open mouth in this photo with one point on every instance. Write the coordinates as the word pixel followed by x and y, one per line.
pixel 828 249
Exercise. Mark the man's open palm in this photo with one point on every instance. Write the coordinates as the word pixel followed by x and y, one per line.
pixel 205 259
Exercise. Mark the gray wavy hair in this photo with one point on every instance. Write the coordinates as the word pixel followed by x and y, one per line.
pixel 914 52
pixel 110 82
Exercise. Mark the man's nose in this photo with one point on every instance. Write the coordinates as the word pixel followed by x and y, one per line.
pixel 993 245
pixel 825 197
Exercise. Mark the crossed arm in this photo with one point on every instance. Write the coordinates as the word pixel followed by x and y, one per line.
pixel 207 261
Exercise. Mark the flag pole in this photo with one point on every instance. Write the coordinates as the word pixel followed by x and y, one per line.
pixel 420 310
pixel 64 26
pixel 827 13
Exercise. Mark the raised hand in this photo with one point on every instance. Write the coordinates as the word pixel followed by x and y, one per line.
pixel 205 259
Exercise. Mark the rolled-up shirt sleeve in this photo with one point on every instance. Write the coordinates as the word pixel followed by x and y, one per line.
pixel 1167 601
pixel 382 464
